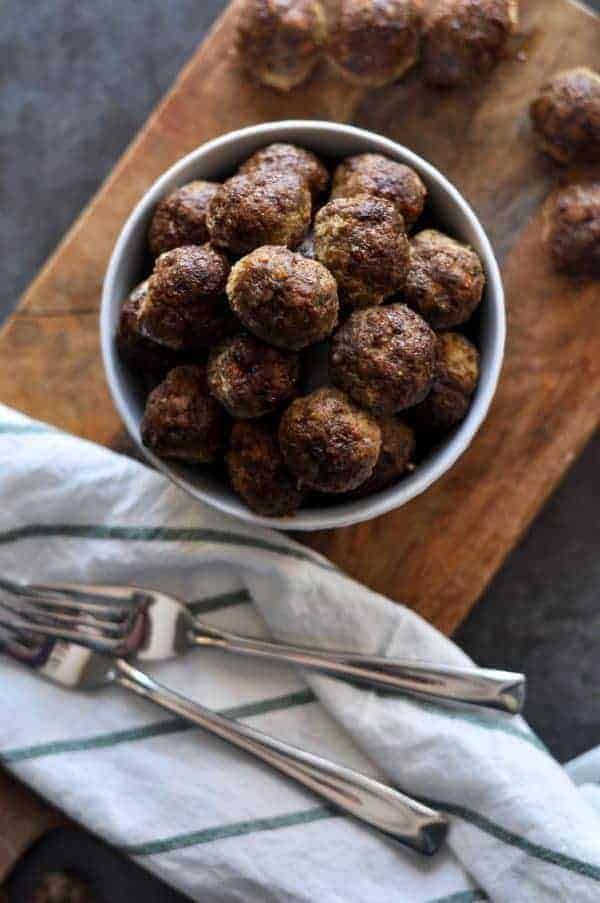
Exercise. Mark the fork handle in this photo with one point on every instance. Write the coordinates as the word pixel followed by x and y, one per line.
pixel 369 800
pixel 503 690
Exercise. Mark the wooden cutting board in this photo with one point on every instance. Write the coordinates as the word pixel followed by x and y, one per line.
pixel 439 552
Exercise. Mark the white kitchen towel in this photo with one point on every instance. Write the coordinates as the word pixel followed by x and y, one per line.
pixel 210 820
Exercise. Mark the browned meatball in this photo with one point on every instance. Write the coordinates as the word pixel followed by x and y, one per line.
pixel 57 887
pixel 398 447
pixel 257 470
pixel 283 297
pixel 182 420
pixel 445 281
pixel 362 241
pixel 573 229
pixel 280 41
pixel 261 208
pixel 185 305
pixel 328 443
pixel 566 115
pixel 374 43
pixel 287 158
pixel 180 218
pixel 136 349
pixel 377 175
pixel 454 382
pixel 383 357
pixel 464 40
pixel 250 378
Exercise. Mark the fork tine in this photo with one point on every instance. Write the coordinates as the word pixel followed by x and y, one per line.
pixel 47 615
pixel 22 628
pixel 105 592
pixel 43 619
pixel 111 609
pixel 100 613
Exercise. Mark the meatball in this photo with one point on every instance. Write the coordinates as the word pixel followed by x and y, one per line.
pixel 383 357
pixel 136 349
pixel 180 218
pixel 463 40
pixel 373 44
pixel 280 41
pixel 284 298
pixel 445 281
pixel 261 208
pixel 573 229
pixel 182 420
pixel 287 158
pixel 454 382
pixel 398 447
pixel 377 175
pixel 185 305
pixel 257 470
pixel 251 379
pixel 328 443
pixel 566 115
pixel 58 887
pixel 362 241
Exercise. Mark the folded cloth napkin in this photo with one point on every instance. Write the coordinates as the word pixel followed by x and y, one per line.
pixel 210 820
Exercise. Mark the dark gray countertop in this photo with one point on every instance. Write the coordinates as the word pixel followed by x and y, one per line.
pixel 81 79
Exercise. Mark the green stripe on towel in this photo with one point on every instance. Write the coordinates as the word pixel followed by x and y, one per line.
pixel 217 603
pixel 156 729
pixel 236 829
pixel 157 534
pixel 20 429
pixel 535 850
pixel 462 896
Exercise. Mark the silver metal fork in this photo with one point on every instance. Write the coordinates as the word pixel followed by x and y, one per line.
pixel 169 628
pixel 74 666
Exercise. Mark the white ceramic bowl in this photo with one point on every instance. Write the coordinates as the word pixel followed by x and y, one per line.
pixel 215 161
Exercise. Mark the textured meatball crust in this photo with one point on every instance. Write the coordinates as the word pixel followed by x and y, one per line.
pixel 328 443
pixel 251 379
pixel 287 158
pixel 257 470
pixel 573 229
pixel 185 306
pixel 445 281
pixel 362 241
pixel 384 357
pixel 455 380
pixel 135 348
pixel 566 115
pixel 280 41
pixel 374 42
pixel 284 298
pixel 260 208
pixel 463 40
pixel 379 176
pixel 182 420
pixel 180 218
pixel 398 447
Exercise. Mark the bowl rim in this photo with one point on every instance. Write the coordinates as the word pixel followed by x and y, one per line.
pixel 445 457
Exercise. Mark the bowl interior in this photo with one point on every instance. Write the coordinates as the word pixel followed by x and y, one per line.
pixel 446 208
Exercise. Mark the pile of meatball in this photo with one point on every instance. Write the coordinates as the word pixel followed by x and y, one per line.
pixel 256 276
pixel 372 43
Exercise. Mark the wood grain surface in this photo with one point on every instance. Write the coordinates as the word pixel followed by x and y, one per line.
pixel 439 552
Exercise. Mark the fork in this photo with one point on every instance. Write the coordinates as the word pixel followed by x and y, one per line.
pixel 74 666
pixel 170 628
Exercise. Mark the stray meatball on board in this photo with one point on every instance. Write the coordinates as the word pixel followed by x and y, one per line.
pixel 481 136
